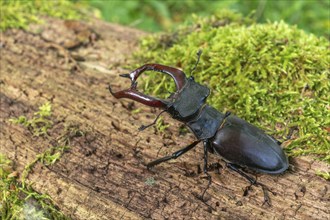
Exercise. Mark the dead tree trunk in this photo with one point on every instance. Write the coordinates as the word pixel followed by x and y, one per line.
pixel 103 174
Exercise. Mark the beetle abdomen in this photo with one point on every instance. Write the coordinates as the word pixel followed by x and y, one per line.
pixel 244 144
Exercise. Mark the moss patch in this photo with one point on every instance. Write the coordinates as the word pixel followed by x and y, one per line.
pixel 272 75
pixel 19 14
pixel 39 123
pixel 18 200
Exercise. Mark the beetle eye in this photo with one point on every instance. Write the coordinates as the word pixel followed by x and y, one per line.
pixel 191 78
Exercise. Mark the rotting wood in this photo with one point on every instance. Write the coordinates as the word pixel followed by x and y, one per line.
pixel 103 175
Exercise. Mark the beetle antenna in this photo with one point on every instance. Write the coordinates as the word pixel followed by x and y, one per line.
pixel 199 53
pixel 154 122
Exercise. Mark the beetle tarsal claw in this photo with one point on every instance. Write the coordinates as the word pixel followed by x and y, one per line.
pixel 142 127
pixel 110 90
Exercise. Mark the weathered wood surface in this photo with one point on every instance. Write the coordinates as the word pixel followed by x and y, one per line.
pixel 103 175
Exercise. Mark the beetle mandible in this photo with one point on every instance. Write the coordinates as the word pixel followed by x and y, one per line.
pixel 238 142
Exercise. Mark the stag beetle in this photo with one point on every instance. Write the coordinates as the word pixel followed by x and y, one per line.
pixel 239 143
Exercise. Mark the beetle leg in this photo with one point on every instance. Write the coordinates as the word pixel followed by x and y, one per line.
pixel 253 181
pixel 274 139
pixel 236 168
pixel 173 156
pixel 206 147
pixel 154 122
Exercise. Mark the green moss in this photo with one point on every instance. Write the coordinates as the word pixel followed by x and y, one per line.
pixel 19 201
pixel 19 14
pixel 150 181
pixel 324 174
pixel 39 123
pixel 49 157
pixel 272 75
